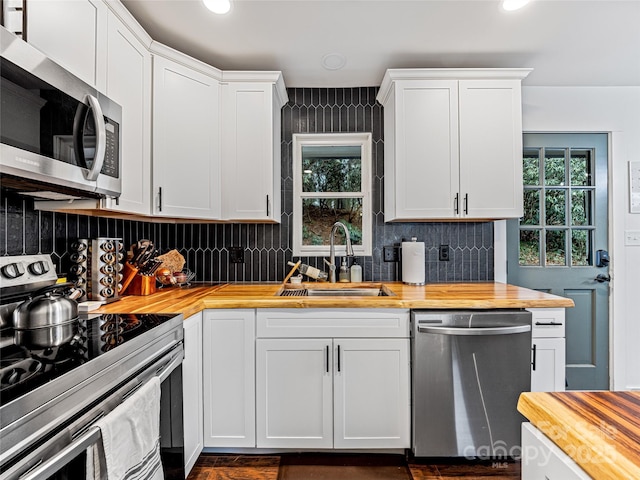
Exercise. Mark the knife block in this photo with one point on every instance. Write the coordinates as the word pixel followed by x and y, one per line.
pixel 142 285
pixel 129 272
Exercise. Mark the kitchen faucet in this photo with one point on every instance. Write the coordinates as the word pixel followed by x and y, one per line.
pixel 332 249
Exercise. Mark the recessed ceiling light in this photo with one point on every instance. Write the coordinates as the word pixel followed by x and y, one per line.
pixel 334 61
pixel 510 5
pixel 218 6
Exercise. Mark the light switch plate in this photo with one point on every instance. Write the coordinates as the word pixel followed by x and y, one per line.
pixel 634 186
pixel 632 237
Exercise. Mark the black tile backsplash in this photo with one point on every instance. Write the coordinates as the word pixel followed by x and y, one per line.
pixel 24 230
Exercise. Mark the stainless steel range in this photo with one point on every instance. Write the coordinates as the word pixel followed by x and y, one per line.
pixel 54 386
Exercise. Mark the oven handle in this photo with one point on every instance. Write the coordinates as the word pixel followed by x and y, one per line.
pixel 475 331
pixel 51 466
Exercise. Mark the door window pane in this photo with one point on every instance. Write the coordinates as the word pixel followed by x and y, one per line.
pixel 581 212
pixel 531 167
pixel 331 168
pixel 556 247
pixel 319 215
pixel 581 167
pixel 531 208
pixel 529 247
pixel 581 247
pixel 555 207
pixel 554 167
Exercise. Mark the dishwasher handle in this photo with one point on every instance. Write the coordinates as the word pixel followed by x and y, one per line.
pixel 475 331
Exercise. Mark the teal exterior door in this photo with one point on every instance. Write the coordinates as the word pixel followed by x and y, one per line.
pixel 560 244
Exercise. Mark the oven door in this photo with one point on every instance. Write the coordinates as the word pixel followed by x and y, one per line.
pixel 63 455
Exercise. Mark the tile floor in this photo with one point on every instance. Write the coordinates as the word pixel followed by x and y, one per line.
pixel 347 467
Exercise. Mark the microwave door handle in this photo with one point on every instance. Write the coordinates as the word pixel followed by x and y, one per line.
pixel 101 138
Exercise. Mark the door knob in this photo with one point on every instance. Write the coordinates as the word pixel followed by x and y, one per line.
pixel 601 278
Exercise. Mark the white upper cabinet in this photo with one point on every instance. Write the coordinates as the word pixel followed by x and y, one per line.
pixel 186 139
pixel 251 118
pixel 453 143
pixel 128 82
pixel 72 33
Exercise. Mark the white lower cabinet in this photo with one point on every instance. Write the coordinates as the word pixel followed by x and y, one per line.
pixel 229 376
pixel 294 393
pixel 548 370
pixel 333 392
pixel 544 460
pixel 371 393
pixel 192 390
pixel 548 350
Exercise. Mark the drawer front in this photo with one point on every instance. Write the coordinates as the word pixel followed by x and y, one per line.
pixel 330 322
pixel 547 322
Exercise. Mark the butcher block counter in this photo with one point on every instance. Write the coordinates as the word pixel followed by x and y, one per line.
pixel 191 300
pixel 600 430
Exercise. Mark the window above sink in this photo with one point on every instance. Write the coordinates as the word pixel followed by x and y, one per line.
pixel 331 183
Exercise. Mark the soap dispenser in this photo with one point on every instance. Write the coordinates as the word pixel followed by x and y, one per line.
pixel 356 272
pixel 343 274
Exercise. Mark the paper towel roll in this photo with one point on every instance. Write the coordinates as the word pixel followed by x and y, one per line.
pixel 413 262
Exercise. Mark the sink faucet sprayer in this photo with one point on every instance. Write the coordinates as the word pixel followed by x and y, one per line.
pixel 332 249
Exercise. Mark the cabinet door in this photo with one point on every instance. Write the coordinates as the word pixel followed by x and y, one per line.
pixel 251 152
pixel 548 368
pixel 372 399
pixel 128 83
pixel 186 157
pixel 294 393
pixel 544 460
pixel 229 378
pixel 426 150
pixel 72 33
pixel 490 149
pixel 192 390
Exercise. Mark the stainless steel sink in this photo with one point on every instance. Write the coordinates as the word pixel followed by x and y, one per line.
pixel 373 291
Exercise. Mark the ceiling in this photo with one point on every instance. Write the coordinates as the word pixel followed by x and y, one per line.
pixel 567 43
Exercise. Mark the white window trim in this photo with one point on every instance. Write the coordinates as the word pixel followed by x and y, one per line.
pixel 319 139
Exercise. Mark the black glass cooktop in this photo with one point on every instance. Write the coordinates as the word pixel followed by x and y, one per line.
pixel 29 359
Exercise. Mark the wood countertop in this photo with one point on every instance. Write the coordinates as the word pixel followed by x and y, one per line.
pixel 600 430
pixel 197 297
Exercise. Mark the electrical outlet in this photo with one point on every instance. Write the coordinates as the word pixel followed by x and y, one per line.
pixel 236 255
pixel 391 253
pixel 443 253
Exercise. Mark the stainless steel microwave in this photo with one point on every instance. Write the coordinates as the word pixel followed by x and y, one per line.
pixel 55 129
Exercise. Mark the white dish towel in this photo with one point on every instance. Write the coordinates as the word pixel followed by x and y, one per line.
pixel 130 447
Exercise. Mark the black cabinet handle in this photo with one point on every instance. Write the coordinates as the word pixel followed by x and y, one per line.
pixel 267 205
pixel 338 357
pixel 549 323
pixel 466 203
pixel 533 363
pixel 327 358
pixel 456 208
pixel 159 199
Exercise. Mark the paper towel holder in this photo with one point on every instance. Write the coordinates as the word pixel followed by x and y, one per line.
pixel 416 275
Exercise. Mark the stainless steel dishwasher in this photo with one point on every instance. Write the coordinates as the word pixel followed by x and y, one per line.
pixel 468 369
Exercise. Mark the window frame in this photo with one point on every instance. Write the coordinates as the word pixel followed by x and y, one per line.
pixel 361 139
